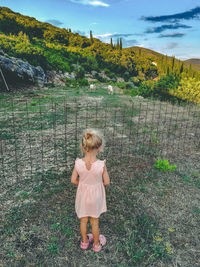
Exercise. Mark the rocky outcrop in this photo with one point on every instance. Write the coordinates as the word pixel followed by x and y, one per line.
pixel 15 69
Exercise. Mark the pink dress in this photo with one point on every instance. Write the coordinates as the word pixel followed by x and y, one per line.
pixel 90 195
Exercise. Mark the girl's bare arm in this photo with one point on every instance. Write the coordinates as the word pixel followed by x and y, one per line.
pixel 106 178
pixel 74 177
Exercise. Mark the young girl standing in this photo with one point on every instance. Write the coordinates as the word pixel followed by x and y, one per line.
pixel 90 195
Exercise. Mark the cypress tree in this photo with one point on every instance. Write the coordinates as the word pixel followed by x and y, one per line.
pixel 117 44
pixel 181 68
pixel 120 45
pixel 168 70
pixel 111 42
pixel 173 62
pixel 190 72
pixel 91 37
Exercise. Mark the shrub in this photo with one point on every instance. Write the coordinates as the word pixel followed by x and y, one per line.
pixel 121 85
pixel 189 90
pixel 126 76
pixel 146 89
pixel 132 92
pixel 80 73
pixel 163 165
pixel 83 82
pixel 164 85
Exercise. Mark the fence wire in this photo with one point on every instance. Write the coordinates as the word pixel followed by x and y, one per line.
pixel 42 136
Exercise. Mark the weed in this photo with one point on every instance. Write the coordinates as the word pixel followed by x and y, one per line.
pixel 146 131
pixel 68 244
pixel 53 248
pixel 176 125
pixel 163 165
pixel 142 243
pixel 55 226
pixel 33 103
pixel 155 138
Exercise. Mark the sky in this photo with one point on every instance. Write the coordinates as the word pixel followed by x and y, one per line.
pixel 169 27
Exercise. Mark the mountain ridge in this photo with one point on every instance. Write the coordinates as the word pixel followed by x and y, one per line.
pixel 41 36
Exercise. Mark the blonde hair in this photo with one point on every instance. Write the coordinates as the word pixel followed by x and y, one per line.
pixel 92 139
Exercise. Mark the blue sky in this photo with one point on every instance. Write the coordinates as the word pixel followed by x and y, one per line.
pixel 170 27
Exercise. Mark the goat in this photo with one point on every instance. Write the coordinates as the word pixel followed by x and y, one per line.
pixel 110 90
pixel 92 87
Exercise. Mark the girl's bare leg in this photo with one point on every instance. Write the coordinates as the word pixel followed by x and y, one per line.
pixel 83 228
pixel 95 229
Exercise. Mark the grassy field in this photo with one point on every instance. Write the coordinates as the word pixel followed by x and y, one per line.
pixel 153 213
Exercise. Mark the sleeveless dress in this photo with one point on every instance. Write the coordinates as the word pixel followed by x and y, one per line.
pixel 90 195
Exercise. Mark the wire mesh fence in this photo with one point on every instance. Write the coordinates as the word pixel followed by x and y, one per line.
pixel 43 136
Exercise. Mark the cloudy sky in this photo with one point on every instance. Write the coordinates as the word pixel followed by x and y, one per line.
pixel 170 27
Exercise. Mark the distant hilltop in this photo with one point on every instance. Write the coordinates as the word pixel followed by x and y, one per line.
pixel 195 63
pixel 193 60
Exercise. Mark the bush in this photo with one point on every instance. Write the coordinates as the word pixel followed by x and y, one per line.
pixel 164 85
pixel 80 73
pixel 163 165
pixel 188 90
pixel 126 76
pixel 83 82
pixel 132 92
pixel 146 89
pixel 137 80
pixel 121 85
pixel 130 85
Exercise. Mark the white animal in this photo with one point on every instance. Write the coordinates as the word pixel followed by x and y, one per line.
pixel 154 63
pixel 92 87
pixel 110 90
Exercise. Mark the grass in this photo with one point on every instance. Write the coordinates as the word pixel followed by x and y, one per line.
pixel 39 225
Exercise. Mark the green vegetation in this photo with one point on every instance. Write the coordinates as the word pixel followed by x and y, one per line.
pixel 163 165
pixel 145 72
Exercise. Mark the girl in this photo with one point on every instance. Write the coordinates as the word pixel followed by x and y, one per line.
pixel 90 195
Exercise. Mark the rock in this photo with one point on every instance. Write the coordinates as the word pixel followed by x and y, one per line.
pixel 93 72
pixel 120 80
pixel 66 75
pixel 17 69
pixel 55 78
pixel 104 76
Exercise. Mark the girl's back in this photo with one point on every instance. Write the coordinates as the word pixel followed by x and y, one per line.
pixel 90 176
pixel 90 195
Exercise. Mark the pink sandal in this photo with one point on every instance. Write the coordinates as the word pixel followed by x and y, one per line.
pixel 102 242
pixel 86 245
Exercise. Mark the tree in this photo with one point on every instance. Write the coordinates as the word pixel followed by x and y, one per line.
pixel 120 44
pixel 111 42
pixel 173 62
pixel 181 68
pixel 91 37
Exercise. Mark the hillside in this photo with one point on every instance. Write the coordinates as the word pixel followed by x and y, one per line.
pixel 144 71
pixel 195 62
pixel 43 39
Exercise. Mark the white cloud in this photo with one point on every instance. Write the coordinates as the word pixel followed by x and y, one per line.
pixel 106 35
pixel 171 45
pixel 98 3
pixel 91 2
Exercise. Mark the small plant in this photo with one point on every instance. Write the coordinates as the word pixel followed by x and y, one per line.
pixel 155 138
pixel 163 164
pixel 53 248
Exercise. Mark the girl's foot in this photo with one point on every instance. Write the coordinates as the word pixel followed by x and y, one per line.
pixel 84 245
pixel 102 242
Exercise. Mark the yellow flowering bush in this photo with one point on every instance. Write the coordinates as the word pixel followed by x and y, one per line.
pixel 189 90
